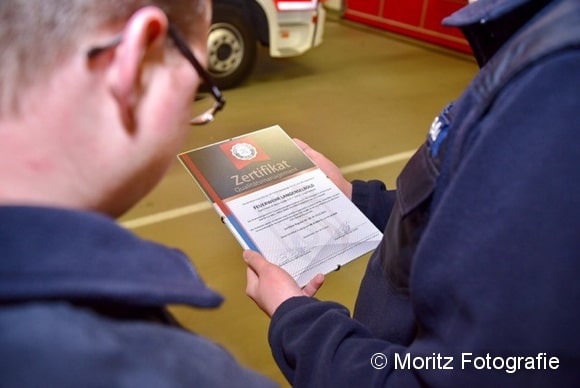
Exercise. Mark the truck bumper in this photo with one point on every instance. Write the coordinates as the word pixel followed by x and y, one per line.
pixel 298 32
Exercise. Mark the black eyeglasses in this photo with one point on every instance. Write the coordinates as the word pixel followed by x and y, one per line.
pixel 207 115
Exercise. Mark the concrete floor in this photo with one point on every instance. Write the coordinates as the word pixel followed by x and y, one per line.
pixel 364 98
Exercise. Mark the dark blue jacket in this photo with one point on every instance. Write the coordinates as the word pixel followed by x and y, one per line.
pixel 475 282
pixel 82 304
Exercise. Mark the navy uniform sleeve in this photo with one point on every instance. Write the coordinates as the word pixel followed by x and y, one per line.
pixel 374 200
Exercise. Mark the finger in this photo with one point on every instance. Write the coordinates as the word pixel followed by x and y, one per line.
pixel 313 285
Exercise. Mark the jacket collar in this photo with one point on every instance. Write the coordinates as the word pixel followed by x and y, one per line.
pixel 482 11
pixel 50 253
pixel 489 24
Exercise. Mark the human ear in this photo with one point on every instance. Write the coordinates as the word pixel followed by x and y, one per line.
pixel 142 34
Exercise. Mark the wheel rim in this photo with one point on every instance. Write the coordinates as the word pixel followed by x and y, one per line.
pixel 225 49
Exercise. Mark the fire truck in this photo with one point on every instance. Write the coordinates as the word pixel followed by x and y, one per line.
pixel 287 27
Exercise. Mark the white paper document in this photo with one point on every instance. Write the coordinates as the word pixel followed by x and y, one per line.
pixel 276 201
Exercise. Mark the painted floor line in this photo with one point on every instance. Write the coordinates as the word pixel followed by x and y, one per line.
pixel 203 206
pixel 390 159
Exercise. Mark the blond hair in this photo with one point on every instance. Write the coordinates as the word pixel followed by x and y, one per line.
pixel 36 35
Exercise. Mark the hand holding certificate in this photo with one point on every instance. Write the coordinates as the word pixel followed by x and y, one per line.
pixel 276 201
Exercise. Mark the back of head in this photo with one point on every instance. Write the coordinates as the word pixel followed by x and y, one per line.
pixel 127 108
pixel 36 35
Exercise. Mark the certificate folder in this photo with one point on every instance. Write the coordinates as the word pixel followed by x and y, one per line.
pixel 276 201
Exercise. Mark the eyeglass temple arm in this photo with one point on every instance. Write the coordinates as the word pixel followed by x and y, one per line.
pixel 188 54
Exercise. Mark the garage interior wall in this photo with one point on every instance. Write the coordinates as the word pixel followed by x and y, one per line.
pixel 420 19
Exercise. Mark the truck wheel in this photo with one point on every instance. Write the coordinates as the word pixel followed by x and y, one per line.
pixel 231 47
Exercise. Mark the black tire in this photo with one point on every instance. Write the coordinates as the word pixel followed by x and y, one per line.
pixel 231 46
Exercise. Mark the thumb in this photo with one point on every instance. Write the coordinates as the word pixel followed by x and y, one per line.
pixel 311 152
pixel 254 260
pixel 301 144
